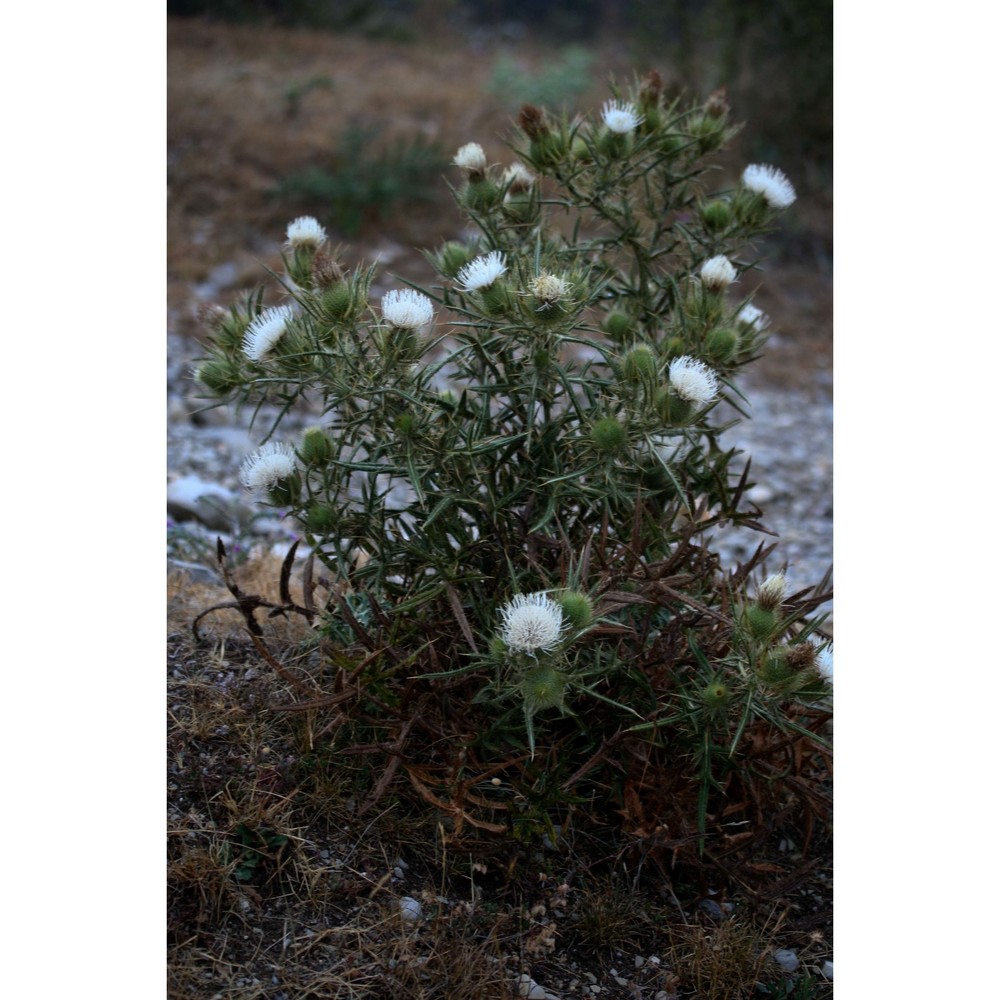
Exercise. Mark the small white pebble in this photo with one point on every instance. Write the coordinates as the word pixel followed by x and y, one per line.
pixel 410 909
pixel 527 987
pixel 639 961
pixel 787 959
pixel 654 959
pixel 620 980
pixel 827 970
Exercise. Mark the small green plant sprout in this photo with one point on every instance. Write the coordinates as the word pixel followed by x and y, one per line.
pixel 518 469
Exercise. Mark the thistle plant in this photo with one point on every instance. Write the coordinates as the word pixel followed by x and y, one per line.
pixel 519 468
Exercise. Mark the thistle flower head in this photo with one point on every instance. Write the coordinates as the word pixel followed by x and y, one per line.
pixel 267 467
pixel 620 117
pixel 717 273
pixel 305 231
pixel 548 289
pixel 265 331
pixel 824 663
pixel 770 182
pixel 407 309
pixel 471 158
pixel 771 593
pixel 518 178
pixel 532 622
pixel 752 317
pixel 482 272
pixel 693 380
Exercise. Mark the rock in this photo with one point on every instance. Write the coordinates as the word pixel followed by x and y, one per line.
pixel 827 971
pixel 190 498
pixel 787 959
pixel 527 987
pixel 410 909
pixel 712 908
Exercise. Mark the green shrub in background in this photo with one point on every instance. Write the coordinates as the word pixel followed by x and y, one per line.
pixel 517 475
pixel 563 80
pixel 363 184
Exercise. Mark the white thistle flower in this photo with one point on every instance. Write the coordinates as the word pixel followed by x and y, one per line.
pixel 267 467
pixel 752 317
pixel 532 622
pixel 305 231
pixel 471 157
pixel 717 273
pixel 518 178
pixel 771 593
pixel 693 380
pixel 407 309
pixel 824 663
pixel 265 331
pixel 482 272
pixel 769 182
pixel 620 117
pixel 549 289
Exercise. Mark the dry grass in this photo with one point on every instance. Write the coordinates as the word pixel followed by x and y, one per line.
pixel 278 887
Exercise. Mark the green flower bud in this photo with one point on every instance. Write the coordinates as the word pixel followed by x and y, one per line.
pixel 672 143
pixel 674 348
pixel 710 132
pixel 452 257
pixel 300 267
pixel 671 408
pixel 577 607
pixel 481 195
pixel 721 345
pixel 496 298
pixel 498 650
pixel 716 215
pixel 220 376
pixel 716 695
pixel 405 425
pixel 580 150
pixel 775 670
pixel 639 365
pixel 320 519
pixel 608 435
pixel 761 621
pixel 617 325
pixel 543 687
pixel 317 448
pixel 336 302
pixel 285 492
pixel 613 145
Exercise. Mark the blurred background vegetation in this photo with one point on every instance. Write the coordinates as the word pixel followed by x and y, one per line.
pixel 774 56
